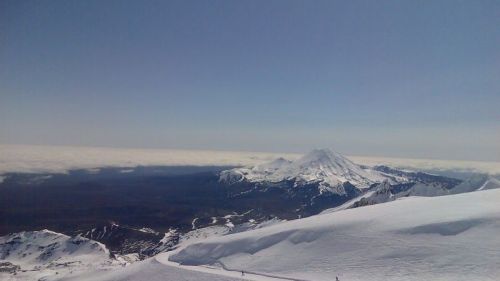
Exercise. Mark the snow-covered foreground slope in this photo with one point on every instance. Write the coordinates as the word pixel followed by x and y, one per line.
pixel 151 270
pixel 453 237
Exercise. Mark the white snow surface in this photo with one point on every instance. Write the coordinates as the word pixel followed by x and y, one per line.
pixel 151 270
pixel 454 237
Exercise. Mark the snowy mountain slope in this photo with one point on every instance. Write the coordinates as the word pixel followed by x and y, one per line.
pixel 385 192
pixel 419 184
pixel 328 167
pixel 50 255
pixel 451 237
pixel 324 166
pixel 477 182
pixel 331 172
pixel 152 269
pixel 491 183
pixel 396 176
pixel 329 181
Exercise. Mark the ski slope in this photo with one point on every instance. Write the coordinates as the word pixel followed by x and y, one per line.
pixel 152 270
pixel 453 237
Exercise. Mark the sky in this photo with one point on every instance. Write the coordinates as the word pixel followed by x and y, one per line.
pixel 415 79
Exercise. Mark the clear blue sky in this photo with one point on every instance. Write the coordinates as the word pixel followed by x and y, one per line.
pixel 382 78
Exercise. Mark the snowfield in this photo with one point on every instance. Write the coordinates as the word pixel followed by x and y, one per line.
pixel 453 237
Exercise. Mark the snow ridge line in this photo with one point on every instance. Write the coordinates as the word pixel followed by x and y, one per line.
pixel 259 273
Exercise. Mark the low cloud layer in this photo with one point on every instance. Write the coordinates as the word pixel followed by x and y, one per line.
pixel 492 168
pixel 59 159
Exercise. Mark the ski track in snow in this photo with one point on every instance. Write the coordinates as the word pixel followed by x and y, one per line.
pixel 223 270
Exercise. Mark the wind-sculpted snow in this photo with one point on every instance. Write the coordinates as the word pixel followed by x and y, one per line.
pixel 451 237
pixel 447 228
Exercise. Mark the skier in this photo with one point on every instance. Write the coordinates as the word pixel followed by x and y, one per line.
pixel 242 273
pixel 337 278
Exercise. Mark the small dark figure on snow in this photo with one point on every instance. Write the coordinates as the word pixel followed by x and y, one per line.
pixel 337 278
pixel 242 273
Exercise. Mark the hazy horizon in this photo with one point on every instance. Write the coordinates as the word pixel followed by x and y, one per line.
pixel 61 159
pixel 269 152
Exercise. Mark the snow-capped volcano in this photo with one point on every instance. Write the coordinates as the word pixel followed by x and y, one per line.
pixel 329 167
pixel 324 166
